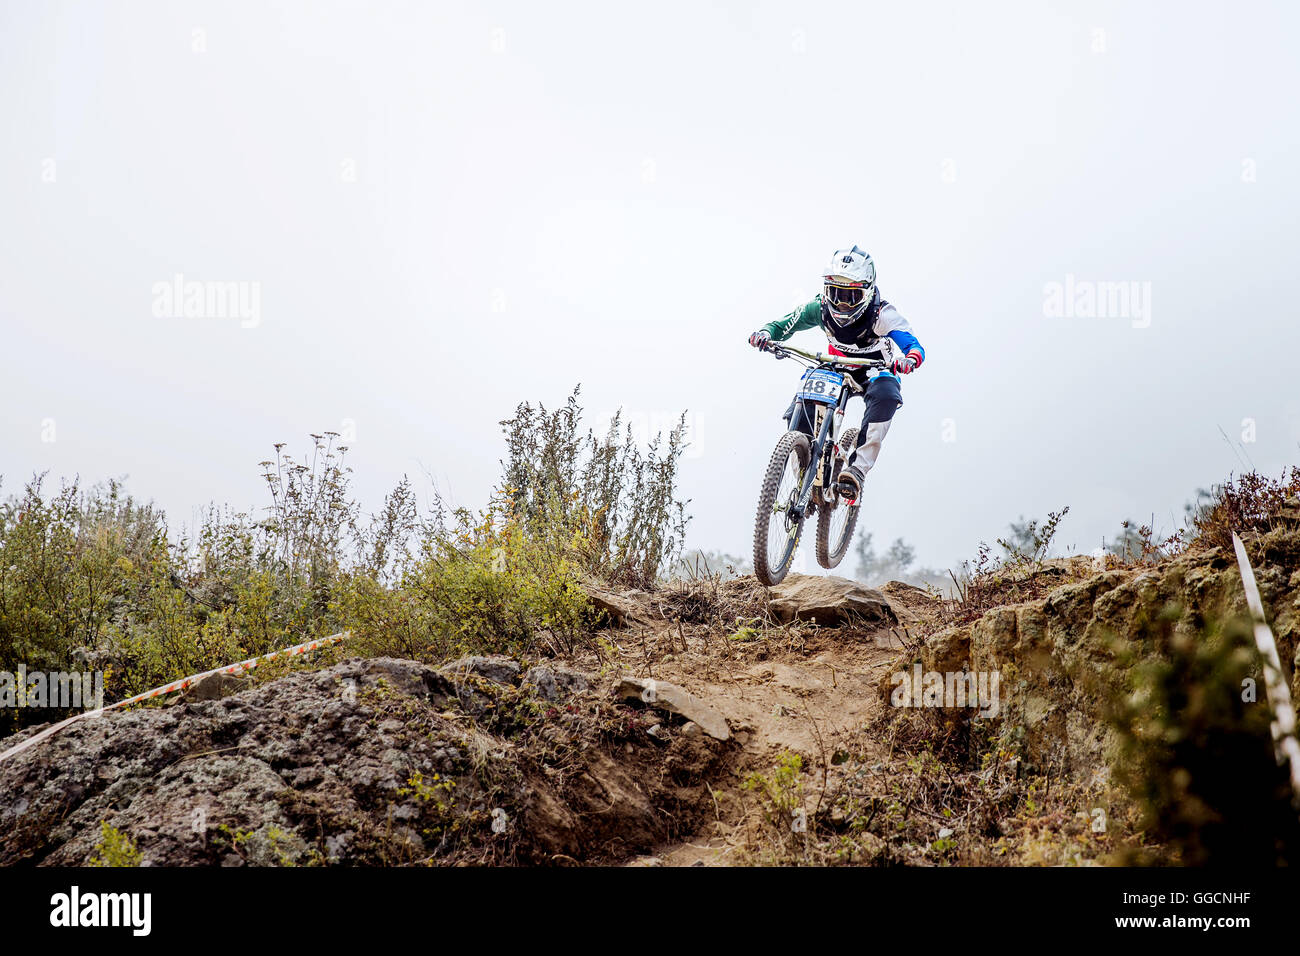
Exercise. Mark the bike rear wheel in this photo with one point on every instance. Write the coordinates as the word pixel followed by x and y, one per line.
pixel 834 532
pixel 836 520
pixel 776 537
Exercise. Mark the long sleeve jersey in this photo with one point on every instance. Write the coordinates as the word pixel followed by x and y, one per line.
pixel 876 333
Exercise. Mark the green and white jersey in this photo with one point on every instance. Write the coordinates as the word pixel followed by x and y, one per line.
pixel 880 332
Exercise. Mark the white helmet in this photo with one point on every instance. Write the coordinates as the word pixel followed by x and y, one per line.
pixel 849 285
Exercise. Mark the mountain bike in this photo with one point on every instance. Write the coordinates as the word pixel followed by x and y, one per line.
pixel 801 474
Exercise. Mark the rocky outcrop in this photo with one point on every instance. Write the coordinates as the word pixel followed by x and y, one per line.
pixel 1058 658
pixel 375 761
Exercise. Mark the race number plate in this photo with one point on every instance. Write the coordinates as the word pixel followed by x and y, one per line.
pixel 821 385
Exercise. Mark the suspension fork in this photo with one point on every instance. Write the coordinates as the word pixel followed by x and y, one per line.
pixel 812 475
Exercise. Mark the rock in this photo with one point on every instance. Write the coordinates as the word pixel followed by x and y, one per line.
pixel 497 668
pixel 217 686
pixel 554 682
pixel 948 650
pixel 673 699
pixel 996 633
pixel 902 587
pixel 830 602
pixel 337 844
pixel 619 607
pixel 1289 513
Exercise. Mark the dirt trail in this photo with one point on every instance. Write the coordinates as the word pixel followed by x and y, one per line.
pixel 808 697
pixel 796 703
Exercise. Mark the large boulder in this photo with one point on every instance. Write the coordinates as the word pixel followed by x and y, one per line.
pixel 830 601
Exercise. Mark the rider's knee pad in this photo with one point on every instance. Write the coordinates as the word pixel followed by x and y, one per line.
pixel 883 398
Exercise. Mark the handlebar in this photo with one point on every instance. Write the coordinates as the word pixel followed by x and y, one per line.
pixel 784 351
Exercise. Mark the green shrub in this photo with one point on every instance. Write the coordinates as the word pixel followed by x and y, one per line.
pixel 91 580
pixel 482 585
pixel 604 491
pixel 115 848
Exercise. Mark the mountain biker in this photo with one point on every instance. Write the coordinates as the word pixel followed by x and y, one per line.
pixel 858 323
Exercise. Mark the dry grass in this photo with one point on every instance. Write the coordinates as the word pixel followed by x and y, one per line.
pixel 1249 502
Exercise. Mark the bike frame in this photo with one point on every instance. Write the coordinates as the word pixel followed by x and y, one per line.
pixel 819 461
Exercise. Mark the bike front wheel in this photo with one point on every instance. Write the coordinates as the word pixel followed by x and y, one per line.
pixel 776 535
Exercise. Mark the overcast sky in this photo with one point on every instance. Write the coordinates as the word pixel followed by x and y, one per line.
pixel 449 208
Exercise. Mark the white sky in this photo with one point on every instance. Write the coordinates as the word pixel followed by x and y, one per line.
pixel 643 185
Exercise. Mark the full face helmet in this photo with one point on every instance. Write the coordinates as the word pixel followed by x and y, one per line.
pixel 849 283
